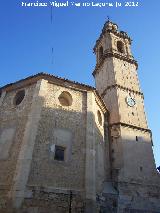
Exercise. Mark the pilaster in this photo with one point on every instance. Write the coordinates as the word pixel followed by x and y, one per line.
pixel 17 192
pixel 90 184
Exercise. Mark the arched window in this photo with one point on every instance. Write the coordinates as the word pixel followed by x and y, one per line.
pixel 65 99
pixel 19 97
pixel 100 52
pixel 120 46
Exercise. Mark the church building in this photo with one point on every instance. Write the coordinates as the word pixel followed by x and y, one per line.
pixel 67 147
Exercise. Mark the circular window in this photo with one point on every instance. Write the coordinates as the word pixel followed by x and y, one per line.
pixel 99 117
pixel 65 99
pixel 19 97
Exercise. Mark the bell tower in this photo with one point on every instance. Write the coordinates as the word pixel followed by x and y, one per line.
pixel 116 77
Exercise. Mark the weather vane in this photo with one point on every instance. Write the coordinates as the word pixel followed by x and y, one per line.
pixel 108 18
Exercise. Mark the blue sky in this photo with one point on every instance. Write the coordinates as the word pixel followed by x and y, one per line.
pixel 27 37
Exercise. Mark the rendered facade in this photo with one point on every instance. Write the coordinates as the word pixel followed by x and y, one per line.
pixel 69 147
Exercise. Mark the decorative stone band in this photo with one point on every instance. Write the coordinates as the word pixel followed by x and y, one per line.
pixel 110 53
pixel 31 189
pixel 142 183
pixel 131 126
pixel 120 34
pixel 117 86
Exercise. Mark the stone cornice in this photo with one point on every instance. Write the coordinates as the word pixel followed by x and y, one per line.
pixel 139 183
pixel 117 86
pixel 120 34
pixel 111 53
pixel 51 78
pixel 131 126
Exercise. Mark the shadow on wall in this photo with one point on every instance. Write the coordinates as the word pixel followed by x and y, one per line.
pixel 70 154
pixel 64 140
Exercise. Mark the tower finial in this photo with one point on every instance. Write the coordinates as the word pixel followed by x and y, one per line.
pixel 108 18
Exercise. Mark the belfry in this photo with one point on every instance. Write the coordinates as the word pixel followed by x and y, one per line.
pixel 132 164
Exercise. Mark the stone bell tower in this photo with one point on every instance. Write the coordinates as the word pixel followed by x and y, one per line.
pixel 133 170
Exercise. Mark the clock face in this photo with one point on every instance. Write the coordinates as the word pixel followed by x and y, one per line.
pixel 130 101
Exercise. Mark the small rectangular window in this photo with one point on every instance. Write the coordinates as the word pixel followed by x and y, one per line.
pixel 59 153
pixel 139 138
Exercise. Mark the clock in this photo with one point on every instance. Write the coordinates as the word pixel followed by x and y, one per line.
pixel 130 101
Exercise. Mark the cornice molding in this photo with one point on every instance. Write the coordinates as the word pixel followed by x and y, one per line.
pixel 130 126
pixel 117 86
pixel 110 54
pixel 51 79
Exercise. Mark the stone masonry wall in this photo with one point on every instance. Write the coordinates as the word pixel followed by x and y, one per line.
pixel 12 125
pixel 48 183
pixel 45 170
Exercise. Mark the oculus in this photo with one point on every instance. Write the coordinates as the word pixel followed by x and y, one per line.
pixel 65 99
pixel 19 97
